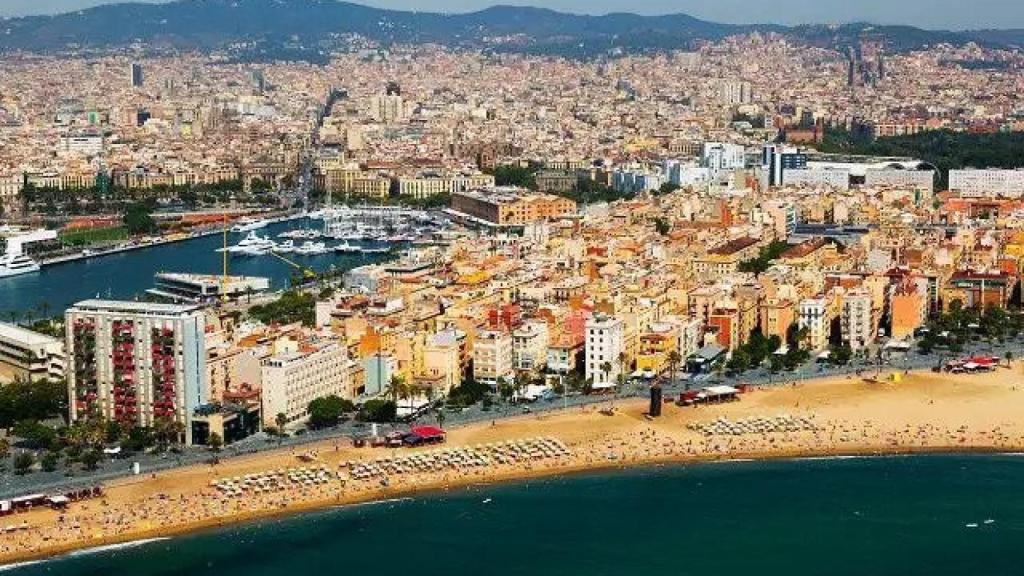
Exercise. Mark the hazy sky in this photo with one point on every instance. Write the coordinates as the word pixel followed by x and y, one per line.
pixel 952 14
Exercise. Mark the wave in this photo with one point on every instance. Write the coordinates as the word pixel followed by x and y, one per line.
pixel 115 547
pixel 17 565
pixel 374 503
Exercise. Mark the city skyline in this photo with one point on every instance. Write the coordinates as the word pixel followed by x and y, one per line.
pixel 939 14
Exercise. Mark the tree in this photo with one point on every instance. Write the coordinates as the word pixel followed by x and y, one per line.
pixel 23 462
pixel 606 369
pixel 398 389
pixel 674 360
pixel 505 389
pixel 32 400
pixel 91 459
pixel 739 362
pixel 327 411
pixel 137 219
pixel 840 355
pixel 378 410
pixel 49 461
pixel 1009 358
pixel 35 434
pixel 215 442
pixel 662 225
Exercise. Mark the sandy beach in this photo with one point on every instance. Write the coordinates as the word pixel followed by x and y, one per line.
pixel 832 417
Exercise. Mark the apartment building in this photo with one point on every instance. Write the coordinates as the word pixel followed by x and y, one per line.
pixel 29 355
pixel 857 323
pixel 493 357
pixel 136 362
pixel 293 378
pixel 605 341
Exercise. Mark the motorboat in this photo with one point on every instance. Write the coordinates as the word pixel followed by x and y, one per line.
pixel 16 264
pixel 286 247
pixel 309 248
pixel 304 234
pixel 248 225
pixel 379 250
pixel 252 245
pixel 347 248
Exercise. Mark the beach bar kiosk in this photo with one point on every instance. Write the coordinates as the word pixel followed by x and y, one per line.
pixel 424 435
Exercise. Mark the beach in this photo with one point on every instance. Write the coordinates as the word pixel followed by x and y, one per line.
pixel 924 412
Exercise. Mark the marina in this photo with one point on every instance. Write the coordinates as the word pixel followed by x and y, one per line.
pixel 128 272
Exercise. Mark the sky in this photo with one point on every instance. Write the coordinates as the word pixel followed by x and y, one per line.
pixel 944 14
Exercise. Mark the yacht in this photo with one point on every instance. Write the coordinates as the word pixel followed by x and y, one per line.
pixel 347 248
pixel 14 264
pixel 286 247
pixel 304 234
pixel 252 245
pixel 311 248
pixel 248 225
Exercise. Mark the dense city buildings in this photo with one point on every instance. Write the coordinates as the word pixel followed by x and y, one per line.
pixel 605 220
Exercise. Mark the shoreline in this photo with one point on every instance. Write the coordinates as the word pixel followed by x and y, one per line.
pixel 407 493
pixel 925 414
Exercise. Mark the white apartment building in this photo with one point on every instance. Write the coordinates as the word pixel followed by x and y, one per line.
pixel 29 355
pixel 856 321
pixel 389 108
pixel 722 156
pixel 987 183
pixel 832 178
pixel 430 185
pixel 136 362
pixel 85 145
pixel 493 357
pixel 530 345
pixel 735 92
pixel 604 342
pixel 293 379
pixel 815 317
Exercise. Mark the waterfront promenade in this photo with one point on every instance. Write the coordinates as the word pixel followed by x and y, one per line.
pixel 925 412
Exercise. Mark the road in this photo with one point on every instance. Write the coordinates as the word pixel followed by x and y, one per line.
pixel 12 485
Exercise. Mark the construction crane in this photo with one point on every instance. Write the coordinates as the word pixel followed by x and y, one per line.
pixel 307 273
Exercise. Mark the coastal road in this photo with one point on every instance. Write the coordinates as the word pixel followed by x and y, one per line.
pixel 11 485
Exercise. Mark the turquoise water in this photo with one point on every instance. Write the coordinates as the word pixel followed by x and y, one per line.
pixel 128 274
pixel 888 516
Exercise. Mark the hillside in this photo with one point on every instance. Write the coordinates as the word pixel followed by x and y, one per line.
pixel 314 26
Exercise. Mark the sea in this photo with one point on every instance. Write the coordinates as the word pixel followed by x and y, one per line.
pixel 930 515
pixel 127 275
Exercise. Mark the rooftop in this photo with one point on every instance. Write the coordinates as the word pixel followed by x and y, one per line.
pixel 13 333
pixel 135 307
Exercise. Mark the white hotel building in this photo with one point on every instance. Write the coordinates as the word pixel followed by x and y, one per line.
pixel 604 342
pixel 294 378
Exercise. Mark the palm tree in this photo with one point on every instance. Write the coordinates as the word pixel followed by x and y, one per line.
pixel 606 369
pixel 674 359
pixel 397 389
pixel 280 420
pixel 622 367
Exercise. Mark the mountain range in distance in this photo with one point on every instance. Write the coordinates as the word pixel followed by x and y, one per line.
pixel 311 29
